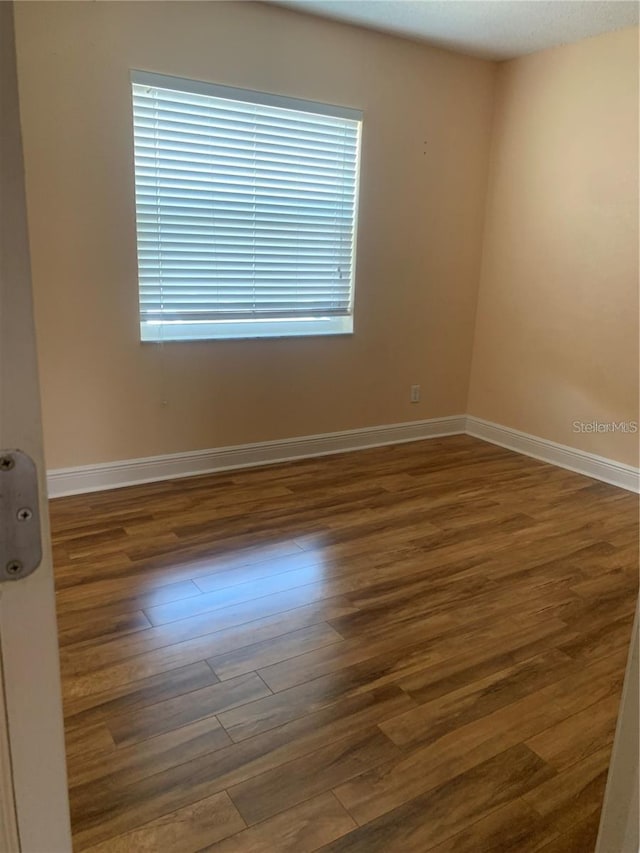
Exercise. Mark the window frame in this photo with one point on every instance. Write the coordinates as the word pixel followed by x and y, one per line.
pixel 256 327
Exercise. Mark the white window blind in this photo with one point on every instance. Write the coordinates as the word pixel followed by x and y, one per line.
pixel 246 211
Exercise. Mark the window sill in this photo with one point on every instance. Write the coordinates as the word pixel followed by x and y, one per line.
pixel 242 329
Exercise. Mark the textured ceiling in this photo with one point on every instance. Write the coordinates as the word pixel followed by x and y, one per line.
pixel 493 29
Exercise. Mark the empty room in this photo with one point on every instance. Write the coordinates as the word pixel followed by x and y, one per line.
pixel 319 347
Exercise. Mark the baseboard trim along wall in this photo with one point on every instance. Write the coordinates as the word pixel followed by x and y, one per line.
pixel 112 475
pixel 589 464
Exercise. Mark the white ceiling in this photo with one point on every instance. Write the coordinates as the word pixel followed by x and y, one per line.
pixel 493 29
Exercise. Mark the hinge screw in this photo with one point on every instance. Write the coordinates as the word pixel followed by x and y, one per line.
pixel 24 514
pixel 6 463
pixel 14 567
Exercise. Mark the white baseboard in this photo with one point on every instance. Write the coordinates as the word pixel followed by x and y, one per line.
pixel 598 467
pixel 111 475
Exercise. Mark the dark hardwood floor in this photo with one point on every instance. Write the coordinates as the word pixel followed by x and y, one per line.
pixel 406 649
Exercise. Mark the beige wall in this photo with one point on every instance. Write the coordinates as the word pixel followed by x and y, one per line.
pixel 419 241
pixel 557 328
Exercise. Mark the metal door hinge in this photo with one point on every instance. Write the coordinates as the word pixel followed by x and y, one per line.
pixel 20 539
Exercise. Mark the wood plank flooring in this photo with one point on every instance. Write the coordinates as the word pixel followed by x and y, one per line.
pixel 405 649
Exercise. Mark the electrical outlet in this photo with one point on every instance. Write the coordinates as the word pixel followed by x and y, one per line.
pixel 415 393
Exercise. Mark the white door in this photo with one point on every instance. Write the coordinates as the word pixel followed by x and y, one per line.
pixel 620 824
pixel 34 805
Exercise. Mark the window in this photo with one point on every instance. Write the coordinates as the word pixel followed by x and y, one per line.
pixel 246 212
